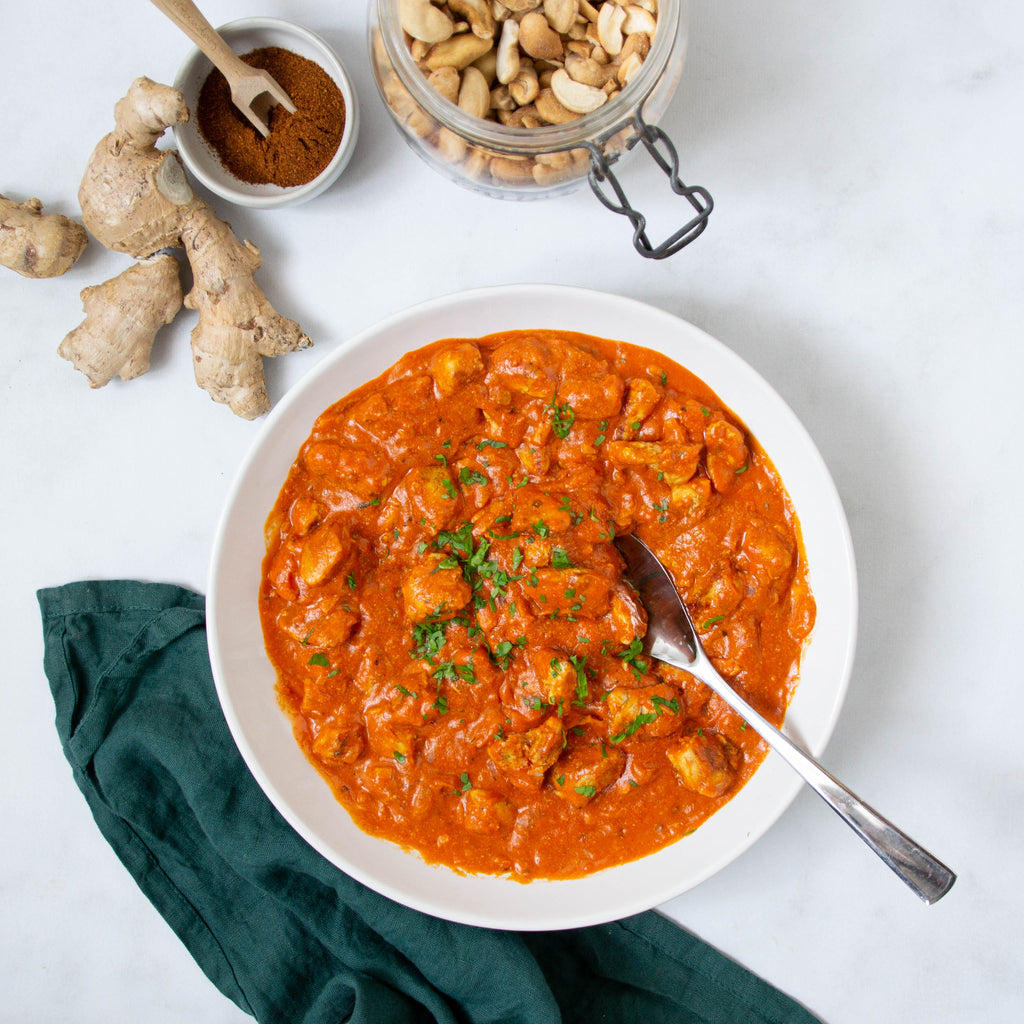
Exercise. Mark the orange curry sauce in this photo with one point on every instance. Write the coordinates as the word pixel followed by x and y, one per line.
pixel 444 606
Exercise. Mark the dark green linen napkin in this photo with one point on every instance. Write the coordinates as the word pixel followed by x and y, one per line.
pixel 278 929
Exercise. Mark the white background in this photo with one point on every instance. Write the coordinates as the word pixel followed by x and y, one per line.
pixel 865 255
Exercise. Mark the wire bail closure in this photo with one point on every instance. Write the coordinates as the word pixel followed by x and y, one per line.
pixel 699 198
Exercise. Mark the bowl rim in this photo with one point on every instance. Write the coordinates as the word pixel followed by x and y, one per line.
pixel 226 185
pixel 484 900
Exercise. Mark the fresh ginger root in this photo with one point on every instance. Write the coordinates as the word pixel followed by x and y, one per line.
pixel 122 316
pixel 35 244
pixel 237 325
pixel 136 199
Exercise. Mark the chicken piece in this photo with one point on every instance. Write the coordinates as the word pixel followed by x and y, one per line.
pixel 486 812
pixel 455 367
pixel 523 366
pixel 764 553
pixel 304 514
pixel 628 618
pixel 584 770
pixel 532 752
pixel 548 682
pixel 386 737
pixel 705 764
pixel 339 740
pixel 691 496
pixel 676 463
pixel 542 511
pixel 578 592
pixel 324 551
pixel 426 499
pixel 641 398
pixel 727 454
pixel 645 710
pixel 591 398
pixel 429 589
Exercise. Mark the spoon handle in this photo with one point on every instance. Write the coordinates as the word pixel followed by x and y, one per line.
pixel 924 874
pixel 191 21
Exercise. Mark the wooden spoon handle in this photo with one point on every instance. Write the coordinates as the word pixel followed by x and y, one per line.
pixel 190 20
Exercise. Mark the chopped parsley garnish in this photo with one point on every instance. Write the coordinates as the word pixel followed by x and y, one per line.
pixel 562 417
pixel 587 791
pixel 402 690
pixel 470 477
pixel 631 656
pixel 488 442
pixel 466 783
pixel 708 623
pixel 319 659
pixel 560 558
pixel 644 718
pixel 582 689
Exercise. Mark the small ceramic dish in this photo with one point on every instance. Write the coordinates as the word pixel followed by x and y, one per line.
pixel 243 36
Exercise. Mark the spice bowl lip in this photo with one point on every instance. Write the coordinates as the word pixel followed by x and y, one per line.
pixel 201 161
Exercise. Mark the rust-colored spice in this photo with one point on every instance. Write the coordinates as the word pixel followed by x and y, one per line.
pixel 299 145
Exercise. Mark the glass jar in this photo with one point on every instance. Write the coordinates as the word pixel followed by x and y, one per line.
pixel 511 162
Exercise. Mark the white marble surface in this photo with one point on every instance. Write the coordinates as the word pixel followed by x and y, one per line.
pixel 866 255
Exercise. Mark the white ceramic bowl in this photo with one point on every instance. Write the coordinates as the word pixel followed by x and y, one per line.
pixel 245 678
pixel 243 36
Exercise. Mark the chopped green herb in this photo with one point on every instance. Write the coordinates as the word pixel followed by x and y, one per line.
pixel 631 656
pixel 708 623
pixel 587 791
pixel 466 784
pixel 470 477
pixel 319 659
pixel 560 558
pixel 399 757
pixel 562 417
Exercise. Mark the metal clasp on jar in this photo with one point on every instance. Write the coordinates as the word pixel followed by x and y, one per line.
pixel 660 147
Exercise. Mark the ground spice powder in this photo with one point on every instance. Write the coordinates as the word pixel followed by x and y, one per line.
pixel 299 145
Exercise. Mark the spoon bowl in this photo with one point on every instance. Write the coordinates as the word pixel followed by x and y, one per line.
pixel 671 638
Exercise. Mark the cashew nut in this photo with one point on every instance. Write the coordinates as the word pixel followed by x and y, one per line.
pixel 423 21
pixel 609 27
pixel 538 38
pixel 525 86
pixel 551 110
pixel 638 20
pixel 459 51
pixel 638 43
pixel 519 6
pixel 508 52
pixel 628 68
pixel 446 81
pixel 560 14
pixel 479 15
pixel 585 70
pixel 474 95
pixel 575 96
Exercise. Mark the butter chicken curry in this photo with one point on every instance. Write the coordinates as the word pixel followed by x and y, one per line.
pixel 444 606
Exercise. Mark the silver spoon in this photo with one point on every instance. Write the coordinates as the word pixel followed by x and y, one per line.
pixel 672 639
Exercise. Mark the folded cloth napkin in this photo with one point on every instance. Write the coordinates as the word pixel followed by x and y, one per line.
pixel 279 930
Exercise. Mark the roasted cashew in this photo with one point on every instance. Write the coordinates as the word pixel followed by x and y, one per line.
pixel 423 21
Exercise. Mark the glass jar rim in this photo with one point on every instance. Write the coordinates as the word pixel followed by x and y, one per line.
pixel 596 126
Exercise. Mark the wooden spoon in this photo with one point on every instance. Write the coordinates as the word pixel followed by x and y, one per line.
pixel 253 91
